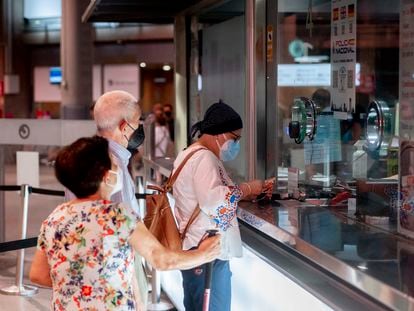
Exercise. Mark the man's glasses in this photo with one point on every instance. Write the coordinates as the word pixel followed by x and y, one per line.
pixel 131 127
pixel 140 122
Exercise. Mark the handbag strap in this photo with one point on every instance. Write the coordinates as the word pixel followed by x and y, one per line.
pixel 168 185
pixel 193 217
pixel 155 187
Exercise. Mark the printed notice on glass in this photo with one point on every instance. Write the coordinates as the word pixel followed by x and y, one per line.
pixel 343 55
pixel 407 69
pixel 326 146
pixel 293 179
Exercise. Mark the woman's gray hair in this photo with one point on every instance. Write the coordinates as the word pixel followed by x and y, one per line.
pixel 113 107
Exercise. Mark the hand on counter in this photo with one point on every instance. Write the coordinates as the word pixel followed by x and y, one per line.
pixel 268 185
pixel 253 188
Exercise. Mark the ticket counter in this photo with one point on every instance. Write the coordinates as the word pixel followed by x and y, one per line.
pixel 325 89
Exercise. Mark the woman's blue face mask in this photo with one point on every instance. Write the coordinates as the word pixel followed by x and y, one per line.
pixel 229 150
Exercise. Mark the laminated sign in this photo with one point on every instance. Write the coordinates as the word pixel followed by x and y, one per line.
pixel 343 55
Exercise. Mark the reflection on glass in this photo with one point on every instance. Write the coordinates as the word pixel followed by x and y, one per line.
pixel 373 129
pixel 359 144
pixel 320 228
pixel 379 127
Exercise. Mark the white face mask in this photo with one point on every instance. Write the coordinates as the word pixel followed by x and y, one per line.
pixel 118 185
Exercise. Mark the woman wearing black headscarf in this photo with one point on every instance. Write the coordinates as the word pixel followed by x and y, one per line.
pixel 204 186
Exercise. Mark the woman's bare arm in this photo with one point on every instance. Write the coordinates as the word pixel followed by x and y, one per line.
pixel 40 269
pixel 162 258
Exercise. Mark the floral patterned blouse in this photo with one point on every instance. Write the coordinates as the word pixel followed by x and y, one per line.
pixel 204 181
pixel 91 262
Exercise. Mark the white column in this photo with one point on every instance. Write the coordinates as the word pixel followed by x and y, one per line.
pixel 180 81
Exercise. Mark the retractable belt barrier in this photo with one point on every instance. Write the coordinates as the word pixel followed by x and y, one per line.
pixel 57 193
pixel 17 244
pixel 19 288
pixel 140 196
pixel 10 188
pixel 25 190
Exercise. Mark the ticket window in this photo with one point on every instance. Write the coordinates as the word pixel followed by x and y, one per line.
pixel 336 90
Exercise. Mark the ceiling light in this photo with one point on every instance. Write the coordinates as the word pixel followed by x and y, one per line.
pixel 166 67
pixel 199 82
pixel 307 59
pixel 143 64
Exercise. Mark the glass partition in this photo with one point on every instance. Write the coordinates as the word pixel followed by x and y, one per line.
pixel 217 67
pixel 337 64
pixel 337 91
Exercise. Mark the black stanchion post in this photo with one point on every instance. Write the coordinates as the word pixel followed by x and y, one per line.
pixel 19 288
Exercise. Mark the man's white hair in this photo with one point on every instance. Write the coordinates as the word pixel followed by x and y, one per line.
pixel 113 107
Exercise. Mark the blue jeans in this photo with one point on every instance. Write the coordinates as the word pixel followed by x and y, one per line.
pixel 220 294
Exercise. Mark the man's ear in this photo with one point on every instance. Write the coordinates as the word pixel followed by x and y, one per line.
pixel 122 125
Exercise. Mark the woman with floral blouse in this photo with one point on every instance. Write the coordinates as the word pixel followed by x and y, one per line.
pixel 204 184
pixel 85 245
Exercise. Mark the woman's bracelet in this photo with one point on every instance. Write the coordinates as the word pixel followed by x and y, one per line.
pixel 248 186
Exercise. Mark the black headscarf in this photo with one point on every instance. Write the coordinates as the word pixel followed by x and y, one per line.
pixel 219 118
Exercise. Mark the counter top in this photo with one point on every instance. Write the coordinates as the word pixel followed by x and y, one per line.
pixel 378 262
pixel 375 261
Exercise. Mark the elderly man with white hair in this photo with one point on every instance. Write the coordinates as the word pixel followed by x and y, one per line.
pixel 117 116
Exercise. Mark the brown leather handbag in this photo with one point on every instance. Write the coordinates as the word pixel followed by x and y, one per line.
pixel 159 218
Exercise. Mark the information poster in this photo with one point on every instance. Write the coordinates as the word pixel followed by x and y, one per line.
pixel 406 78
pixel 326 146
pixel 343 55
